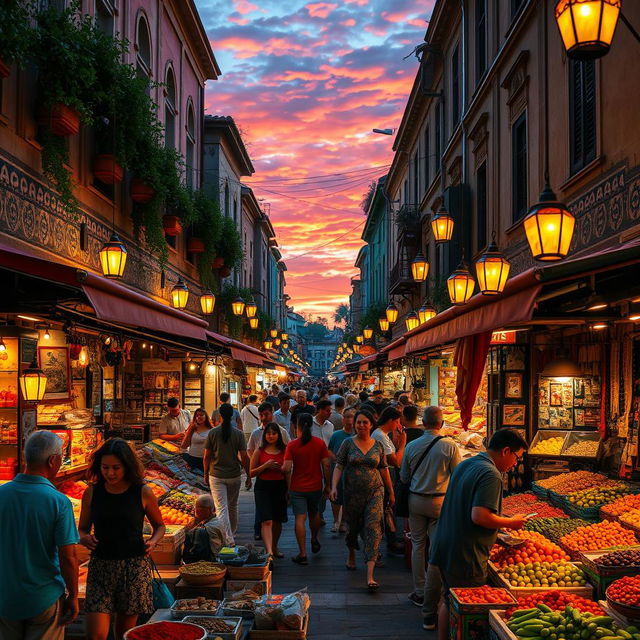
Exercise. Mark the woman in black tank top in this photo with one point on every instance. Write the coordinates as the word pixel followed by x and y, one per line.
pixel 111 521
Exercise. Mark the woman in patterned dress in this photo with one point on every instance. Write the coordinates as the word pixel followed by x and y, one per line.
pixel 362 461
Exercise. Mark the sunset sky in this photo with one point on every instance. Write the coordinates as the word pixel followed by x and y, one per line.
pixel 306 83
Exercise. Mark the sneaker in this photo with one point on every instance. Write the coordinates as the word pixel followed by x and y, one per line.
pixel 416 599
pixel 429 623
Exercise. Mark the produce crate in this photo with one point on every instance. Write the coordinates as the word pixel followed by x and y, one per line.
pixel 498 629
pixel 169 549
pixel 471 620
pixel 546 434
pixel 601 577
pixel 518 592
pixel 557 499
pixel 586 513
pixel 261 587
pixel 277 634
pixel 581 436
pixel 539 491
pixel 249 572
pixel 605 515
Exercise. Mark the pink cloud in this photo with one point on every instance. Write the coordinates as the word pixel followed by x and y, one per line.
pixel 244 7
pixel 320 9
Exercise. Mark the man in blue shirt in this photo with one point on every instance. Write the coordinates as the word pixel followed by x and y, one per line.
pixel 38 551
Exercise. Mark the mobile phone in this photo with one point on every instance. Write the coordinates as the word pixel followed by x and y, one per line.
pixel 530 515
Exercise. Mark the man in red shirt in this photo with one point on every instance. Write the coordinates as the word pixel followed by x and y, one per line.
pixel 306 461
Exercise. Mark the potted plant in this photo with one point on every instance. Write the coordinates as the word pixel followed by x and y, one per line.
pixel 207 229
pixel 15 35
pixel 171 225
pixel 140 191
pixel 195 245
pixel 230 246
pixel 218 262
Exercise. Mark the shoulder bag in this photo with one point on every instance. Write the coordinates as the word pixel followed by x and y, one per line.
pixel 162 597
pixel 402 488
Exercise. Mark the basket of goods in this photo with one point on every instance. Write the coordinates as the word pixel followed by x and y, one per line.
pixel 223 628
pixel 557 600
pixel 478 599
pixel 586 503
pixel 529 503
pixel 563 484
pixel 601 535
pixel 194 606
pixel 631 520
pixel 242 603
pixel 203 573
pixel 614 510
pixel 166 630
pixel 554 528
pixel 623 596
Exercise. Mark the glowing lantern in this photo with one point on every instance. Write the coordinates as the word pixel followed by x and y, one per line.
pixel 33 383
pixel 253 323
pixel 419 268
pixel 442 226
pixel 492 271
pixel 251 308
pixel 392 313
pixel 412 320
pixel 384 324
pixel 426 312
pixel 238 306
pixel 179 295
pixel 113 257
pixel 207 302
pixel 461 285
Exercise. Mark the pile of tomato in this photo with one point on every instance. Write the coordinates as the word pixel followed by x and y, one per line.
pixel 536 548
pixel 557 600
pixel 483 595
pixel 626 591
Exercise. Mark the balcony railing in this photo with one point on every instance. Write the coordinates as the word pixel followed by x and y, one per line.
pixel 400 278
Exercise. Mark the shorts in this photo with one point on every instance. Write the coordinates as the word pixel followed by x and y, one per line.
pixel 119 586
pixel 451 582
pixel 303 502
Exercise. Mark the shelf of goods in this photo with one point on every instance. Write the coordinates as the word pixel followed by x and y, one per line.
pixel 574 445
pixel 158 387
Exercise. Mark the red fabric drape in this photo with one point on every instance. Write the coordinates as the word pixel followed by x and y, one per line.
pixel 470 358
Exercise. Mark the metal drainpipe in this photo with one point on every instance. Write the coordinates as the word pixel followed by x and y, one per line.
pixel 463 46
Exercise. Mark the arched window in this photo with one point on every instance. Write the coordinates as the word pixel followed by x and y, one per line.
pixel 143 49
pixel 170 110
pixel 191 144
pixel 226 199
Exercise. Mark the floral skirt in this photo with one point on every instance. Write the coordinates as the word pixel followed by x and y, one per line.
pixel 119 586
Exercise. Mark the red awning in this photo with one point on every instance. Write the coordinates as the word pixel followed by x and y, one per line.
pixel 395 350
pixel 246 356
pixel 241 351
pixel 112 301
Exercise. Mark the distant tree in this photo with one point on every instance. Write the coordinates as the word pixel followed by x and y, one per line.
pixel 341 314
pixel 315 330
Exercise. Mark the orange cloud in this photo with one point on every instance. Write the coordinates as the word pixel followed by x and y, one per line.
pixel 320 9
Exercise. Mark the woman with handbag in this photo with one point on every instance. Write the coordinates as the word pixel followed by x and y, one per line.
pixel 119 580
pixel 361 460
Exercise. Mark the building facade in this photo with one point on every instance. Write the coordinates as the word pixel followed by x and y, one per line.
pixel 319 351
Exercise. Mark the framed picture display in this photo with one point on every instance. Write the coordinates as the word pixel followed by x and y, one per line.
pixel 55 364
pixel 513 415
pixel 555 394
pixel 513 385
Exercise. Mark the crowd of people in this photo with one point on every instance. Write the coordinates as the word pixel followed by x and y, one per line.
pixel 301 449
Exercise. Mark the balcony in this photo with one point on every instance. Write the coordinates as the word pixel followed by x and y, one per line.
pixel 400 278
pixel 409 230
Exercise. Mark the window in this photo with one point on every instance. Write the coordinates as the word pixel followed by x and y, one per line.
pixel 104 16
pixel 226 199
pixel 143 50
pixel 481 39
pixel 190 146
pixel 438 135
pixel 416 179
pixel 519 167
pixel 582 113
pixel 427 164
pixel 235 212
pixel 455 87
pixel 481 206
pixel 170 110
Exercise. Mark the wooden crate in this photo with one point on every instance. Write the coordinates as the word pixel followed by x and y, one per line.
pixel 183 590
pixel 518 592
pixel 602 577
pixel 472 620
pixel 259 634
pixel 248 573
pixel 261 586
pixel 498 629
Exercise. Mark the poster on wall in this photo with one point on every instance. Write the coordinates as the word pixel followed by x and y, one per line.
pixel 513 415
pixel 54 362
pixel 513 385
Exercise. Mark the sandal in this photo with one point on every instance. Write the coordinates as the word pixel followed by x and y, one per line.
pixel 315 546
pixel 373 586
pixel 300 559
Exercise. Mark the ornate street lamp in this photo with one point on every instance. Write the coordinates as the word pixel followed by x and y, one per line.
pixel 207 302
pixel 549 227
pixel 253 322
pixel 179 294
pixel 442 226
pixel 251 308
pixel 419 268
pixel 384 324
pixel 237 306
pixel 412 321
pixel 367 332
pixel 492 270
pixel 426 312
pixel 113 257
pixel 33 383
pixel 461 285
pixel 391 313
pixel 587 26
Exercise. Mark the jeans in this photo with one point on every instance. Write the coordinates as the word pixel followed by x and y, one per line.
pixel 44 626
pixel 225 493
pixel 423 519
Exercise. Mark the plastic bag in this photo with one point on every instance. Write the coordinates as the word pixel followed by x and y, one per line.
pixel 286 613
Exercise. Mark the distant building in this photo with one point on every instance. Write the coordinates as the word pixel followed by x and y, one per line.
pixel 320 350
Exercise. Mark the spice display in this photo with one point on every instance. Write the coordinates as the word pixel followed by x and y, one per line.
pixel 621 558
pixel 555 528
pixel 557 600
pixel 597 496
pixel 483 595
pixel 622 505
pixel 196 604
pixel 212 625
pixel 551 575
pixel 566 483
pixel 601 535
pixel 548 446
pixel 202 568
pixel 583 448
pixel 535 548
pixel 626 591
pixel 529 503
pixel 165 631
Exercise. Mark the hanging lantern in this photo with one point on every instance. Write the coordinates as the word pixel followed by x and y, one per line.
pixel 442 226
pixel 179 295
pixel 33 383
pixel 253 322
pixel 284 336
pixel 492 271
pixel 251 308
pixel 285 345
pixel 587 26
pixel 340 349
pixel 207 302
pixel 237 307
pixel 419 268
pixel 461 285
pixel 113 257
pixel 356 348
pixel 392 313
pixel 426 312
pixel 412 320
pixel 268 344
pixel 359 339
pixel 367 332
pixel 277 342
pixel 384 324
pixel 273 333
pixel 549 227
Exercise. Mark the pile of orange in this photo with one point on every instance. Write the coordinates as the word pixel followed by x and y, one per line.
pixel 536 548
pixel 174 516
pixel 631 517
pixel 622 505
pixel 601 535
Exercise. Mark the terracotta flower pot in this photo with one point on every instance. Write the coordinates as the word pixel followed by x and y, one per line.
pixel 60 119
pixel 106 169
pixel 195 245
pixel 5 70
pixel 171 225
pixel 218 262
pixel 225 272
pixel 140 192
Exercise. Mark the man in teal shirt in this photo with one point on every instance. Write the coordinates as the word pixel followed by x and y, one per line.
pixel 38 552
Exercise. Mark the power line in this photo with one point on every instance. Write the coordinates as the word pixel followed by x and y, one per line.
pixel 313 204
pixel 352 185
pixel 295 188
pixel 328 175
pixel 346 233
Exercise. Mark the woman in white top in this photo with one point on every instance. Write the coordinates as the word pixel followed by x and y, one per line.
pixel 195 438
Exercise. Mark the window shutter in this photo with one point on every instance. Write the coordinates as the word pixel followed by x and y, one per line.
pixel 582 112
pixel 589 111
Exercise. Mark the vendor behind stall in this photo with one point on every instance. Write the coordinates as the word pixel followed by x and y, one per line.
pixel 175 422
pixel 205 536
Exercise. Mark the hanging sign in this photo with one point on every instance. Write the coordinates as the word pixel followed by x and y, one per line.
pixel 503 337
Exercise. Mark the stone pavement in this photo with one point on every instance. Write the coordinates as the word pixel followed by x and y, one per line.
pixel 341 607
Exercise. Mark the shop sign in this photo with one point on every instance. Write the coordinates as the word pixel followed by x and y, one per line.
pixel 503 337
